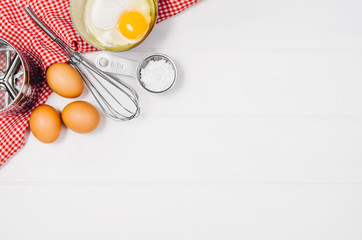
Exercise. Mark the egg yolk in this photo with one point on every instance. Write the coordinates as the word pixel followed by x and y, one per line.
pixel 133 25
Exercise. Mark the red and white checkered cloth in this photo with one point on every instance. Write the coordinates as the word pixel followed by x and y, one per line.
pixel 17 28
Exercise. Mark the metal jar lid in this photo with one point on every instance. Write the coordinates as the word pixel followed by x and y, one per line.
pixel 11 74
pixel 20 79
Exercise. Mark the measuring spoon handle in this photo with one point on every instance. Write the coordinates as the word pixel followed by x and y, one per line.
pixel 113 64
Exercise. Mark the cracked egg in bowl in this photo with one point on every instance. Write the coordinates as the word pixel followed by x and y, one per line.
pixel 114 25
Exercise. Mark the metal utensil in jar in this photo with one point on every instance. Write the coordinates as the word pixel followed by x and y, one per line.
pixel 114 64
pixel 20 80
pixel 117 100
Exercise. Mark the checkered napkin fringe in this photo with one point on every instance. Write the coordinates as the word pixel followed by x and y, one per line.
pixel 17 28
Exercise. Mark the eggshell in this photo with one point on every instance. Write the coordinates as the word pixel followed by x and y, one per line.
pixel 64 80
pixel 81 117
pixel 45 123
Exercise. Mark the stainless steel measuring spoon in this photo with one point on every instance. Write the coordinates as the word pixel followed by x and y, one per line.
pixel 114 64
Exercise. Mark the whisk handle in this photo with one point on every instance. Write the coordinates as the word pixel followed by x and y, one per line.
pixel 40 23
pixel 66 49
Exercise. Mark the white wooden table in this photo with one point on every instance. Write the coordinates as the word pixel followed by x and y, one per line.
pixel 260 139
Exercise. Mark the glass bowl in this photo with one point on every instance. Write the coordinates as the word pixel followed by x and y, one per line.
pixel 77 12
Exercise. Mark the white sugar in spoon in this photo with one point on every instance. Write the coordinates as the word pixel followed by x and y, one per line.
pixel 113 64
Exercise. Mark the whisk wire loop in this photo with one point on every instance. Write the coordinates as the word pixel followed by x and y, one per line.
pixel 110 104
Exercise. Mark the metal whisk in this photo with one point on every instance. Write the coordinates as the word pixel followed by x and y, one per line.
pixel 117 100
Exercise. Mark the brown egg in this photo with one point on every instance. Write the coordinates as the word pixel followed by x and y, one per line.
pixel 64 80
pixel 81 117
pixel 45 123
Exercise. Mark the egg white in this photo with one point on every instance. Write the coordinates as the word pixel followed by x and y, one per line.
pixel 101 18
